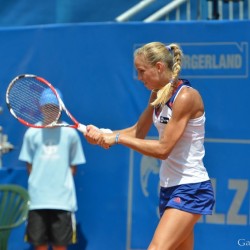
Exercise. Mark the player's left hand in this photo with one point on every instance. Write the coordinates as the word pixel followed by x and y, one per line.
pixel 107 140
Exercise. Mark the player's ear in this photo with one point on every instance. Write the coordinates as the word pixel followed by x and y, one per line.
pixel 160 66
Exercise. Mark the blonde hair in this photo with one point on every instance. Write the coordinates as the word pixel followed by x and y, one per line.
pixel 171 56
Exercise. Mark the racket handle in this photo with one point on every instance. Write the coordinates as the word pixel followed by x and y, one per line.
pixel 106 130
pixel 81 128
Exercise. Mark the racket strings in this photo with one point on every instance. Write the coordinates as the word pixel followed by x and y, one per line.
pixel 25 100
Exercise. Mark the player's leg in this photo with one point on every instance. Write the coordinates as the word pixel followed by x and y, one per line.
pixel 188 243
pixel 174 229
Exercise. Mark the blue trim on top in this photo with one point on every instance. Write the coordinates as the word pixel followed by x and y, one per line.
pixel 169 103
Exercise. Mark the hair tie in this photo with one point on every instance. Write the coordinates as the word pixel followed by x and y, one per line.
pixel 168 48
pixel 171 82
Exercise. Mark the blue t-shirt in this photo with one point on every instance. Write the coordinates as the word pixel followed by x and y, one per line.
pixel 51 152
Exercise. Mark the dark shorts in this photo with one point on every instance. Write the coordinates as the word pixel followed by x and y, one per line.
pixel 49 226
pixel 197 198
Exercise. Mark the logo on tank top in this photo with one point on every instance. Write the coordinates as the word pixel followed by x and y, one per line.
pixel 164 119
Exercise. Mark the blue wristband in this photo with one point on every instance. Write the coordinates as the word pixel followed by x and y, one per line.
pixel 117 138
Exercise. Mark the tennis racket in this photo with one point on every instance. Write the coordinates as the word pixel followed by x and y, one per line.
pixel 34 102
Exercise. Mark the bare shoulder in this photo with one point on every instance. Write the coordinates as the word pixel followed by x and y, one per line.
pixel 189 100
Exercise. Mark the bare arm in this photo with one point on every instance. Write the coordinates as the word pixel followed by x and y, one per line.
pixel 73 170
pixel 144 123
pixel 138 130
pixel 29 167
pixel 188 105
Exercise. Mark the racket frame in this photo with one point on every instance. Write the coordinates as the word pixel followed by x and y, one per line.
pixel 61 106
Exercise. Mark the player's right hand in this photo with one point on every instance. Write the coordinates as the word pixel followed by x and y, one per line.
pixel 92 134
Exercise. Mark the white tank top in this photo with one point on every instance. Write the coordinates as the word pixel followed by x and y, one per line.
pixel 185 162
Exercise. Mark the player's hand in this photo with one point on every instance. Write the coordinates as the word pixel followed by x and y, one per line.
pixel 92 134
pixel 107 140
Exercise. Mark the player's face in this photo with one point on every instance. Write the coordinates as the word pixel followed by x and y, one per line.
pixel 50 113
pixel 147 73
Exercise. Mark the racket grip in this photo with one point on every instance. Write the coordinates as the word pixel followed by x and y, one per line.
pixel 106 130
pixel 81 128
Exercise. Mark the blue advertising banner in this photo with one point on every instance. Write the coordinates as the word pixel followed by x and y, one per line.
pixel 117 189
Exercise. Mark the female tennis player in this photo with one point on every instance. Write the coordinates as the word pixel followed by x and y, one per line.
pixel 177 111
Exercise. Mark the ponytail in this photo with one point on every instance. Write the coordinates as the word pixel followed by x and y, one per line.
pixel 166 92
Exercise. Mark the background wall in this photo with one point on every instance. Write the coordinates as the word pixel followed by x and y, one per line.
pixel 28 12
pixel 117 189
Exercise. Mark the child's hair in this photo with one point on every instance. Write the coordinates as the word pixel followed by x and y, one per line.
pixel 171 56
